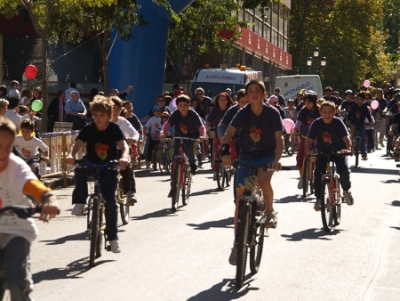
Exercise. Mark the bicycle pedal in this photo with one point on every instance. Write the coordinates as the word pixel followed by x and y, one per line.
pixel 108 247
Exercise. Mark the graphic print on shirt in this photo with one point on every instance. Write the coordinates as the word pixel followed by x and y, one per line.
pixel 101 150
pixel 327 138
pixel 183 128
pixel 26 152
pixel 309 120
pixel 255 134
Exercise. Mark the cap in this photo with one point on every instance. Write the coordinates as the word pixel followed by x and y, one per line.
pixel 156 108
pixel 348 92
pixel 273 98
pixel 228 89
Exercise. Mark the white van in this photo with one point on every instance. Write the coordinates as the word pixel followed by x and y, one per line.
pixel 217 80
pixel 292 84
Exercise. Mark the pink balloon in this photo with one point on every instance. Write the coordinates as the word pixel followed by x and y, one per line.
pixel 366 83
pixel 31 71
pixel 288 124
pixel 374 104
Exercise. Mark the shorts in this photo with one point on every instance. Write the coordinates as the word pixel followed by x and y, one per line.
pixel 242 172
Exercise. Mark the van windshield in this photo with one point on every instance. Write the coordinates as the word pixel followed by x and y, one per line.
pixel 213 89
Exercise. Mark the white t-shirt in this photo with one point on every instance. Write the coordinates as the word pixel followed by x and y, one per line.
pixel 30 148
pixel 14 93
pixel 127 128
pixel 14 117
pixel 12 179
pixel 154 124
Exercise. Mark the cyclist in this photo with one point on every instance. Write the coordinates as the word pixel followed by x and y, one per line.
pixel 306 116
pixel 260 139
pixel 152 130
pixel 332 136
pixel 18 186
pixel 187 123
pixel 101 138
pixel 356 117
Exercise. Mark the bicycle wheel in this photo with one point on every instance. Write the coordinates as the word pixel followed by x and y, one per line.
pixel 123 209
pixel 186 188
pixel 311 176
pixel 390 146
pixel 94 229
pixel 220 175
pixel 357 149
pixel 257 242
pixel 242 240
pixel 176 182
pixel 163 164
pixel 337 210
pixel 305 175
pixel 326 208
pixel 289 146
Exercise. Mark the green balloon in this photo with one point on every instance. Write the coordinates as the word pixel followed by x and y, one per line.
pixel 37 105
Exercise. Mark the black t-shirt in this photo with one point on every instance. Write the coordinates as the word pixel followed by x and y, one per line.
pixel 329 136
pixel 307 116
pixel 101 146
pixel 335 100
pixel 230 114
pixel 215 116
pixel 134 120
pixel 358 114
pixel 186 126
pixel 205 104
pixel 257 133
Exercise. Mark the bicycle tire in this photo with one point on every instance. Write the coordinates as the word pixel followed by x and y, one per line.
pixel 326 208
pixel 176 182
pixel 186 188
pixel 242 240
pixel 357 150
pixel 89 214
pixel 305 176
pixel 162 164
pixel 311 177
pixel 289 147
pixel 123 209
pixel 234 188
pixel 94 229
pixel 228 176
pixel 220 175
pixel 337 211
pixel 389 146
pixel 257 242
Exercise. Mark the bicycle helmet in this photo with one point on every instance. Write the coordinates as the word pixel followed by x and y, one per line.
pixel 348 92
pixel 311 95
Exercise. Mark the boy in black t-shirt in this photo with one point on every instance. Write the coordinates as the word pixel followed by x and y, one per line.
pixel 101 138
pixel 332 136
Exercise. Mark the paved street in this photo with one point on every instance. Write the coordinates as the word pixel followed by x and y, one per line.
pixel 184 255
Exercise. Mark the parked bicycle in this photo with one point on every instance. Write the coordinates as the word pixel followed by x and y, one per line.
pixel 96 208
pixel 181 179
pixel 331 196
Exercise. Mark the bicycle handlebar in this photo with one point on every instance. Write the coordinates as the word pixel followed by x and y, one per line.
pixel 186 138
pixel 83 163
pixel 331 154
pixel 266 167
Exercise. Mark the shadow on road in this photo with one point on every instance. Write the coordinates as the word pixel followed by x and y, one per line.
pixel 397 228
pixel 155 214
pixel 71 271
pixel 311 234
pixel 223 291
pixel 223 223
pixel 62 240
pixel 396 203
pixel 208 191
pixel 290 199
pixel 374 171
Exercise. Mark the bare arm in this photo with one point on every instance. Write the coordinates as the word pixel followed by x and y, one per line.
pixel 75 148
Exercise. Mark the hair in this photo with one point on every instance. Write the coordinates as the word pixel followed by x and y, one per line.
pixel 26 92
pixel 60 92
pixel 241 93
pixel 255 82
pixel 28 124
pixel 116 101
pixel 3 89
pixel 199 89
pixel 168 99
pixel 12 102
pixel 39 90
pixel 23 110
pixel 328 88
pixel 161 96
pixel 379 90
pixel 94 91
pixel 127 102
pixel 226 95
pixel 368 94
pixel 327 103
pixel 361 94
pixel 14 83
pixel 3 102
pixel 101 104
pixel 182 98
pixel 8 126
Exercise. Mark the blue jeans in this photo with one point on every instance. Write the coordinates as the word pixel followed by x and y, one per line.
pixel 361 133
pixel 188 146
pixel 15 269
pixel 108 185
pixel 242 172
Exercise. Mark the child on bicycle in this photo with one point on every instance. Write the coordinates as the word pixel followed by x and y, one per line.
pixel 19 185
pixel 102 137
pixel 187 123
pixel 331 135
pixel 152 130
pixel 30 146
pixel 260 141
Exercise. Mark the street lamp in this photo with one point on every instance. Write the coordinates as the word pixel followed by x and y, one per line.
pixel 315 61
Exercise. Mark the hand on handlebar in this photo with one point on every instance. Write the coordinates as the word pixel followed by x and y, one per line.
pixel 50 208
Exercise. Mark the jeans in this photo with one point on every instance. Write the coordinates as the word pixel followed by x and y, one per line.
pixel 15 270
pixel 188 147
pixel 341 167
pixel 108 185
pixel 361 133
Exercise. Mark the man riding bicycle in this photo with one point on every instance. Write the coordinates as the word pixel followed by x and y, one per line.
pixel 260 138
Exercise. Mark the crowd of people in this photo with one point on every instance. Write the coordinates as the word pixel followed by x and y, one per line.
pixel 246 127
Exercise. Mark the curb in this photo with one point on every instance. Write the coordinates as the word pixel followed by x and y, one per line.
pixel 57 182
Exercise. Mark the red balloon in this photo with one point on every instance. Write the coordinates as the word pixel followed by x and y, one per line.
pixel 31 71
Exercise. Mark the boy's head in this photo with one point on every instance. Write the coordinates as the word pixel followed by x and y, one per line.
pixel 23 110
pixel 102 105
pixel 156 111
pixel 241 97
pixel 12 102
pixel 14 84
pixel 7 136
pixel 3 106
pixel 27 128
pixel 183 103
pixel 3 90
pixel 116 105
pixel 327 110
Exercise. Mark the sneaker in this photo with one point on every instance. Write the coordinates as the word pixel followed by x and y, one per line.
pixel 130 199
pixel 233 256
pixel 300 184
pixel 317 205
pixel 79 209
pixel 365 158
pixel 348 197
pixel 115 246
pixel 215 176
pixel 272 220
pixel 382 145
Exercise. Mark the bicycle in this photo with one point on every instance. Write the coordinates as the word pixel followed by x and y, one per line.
pixel 308 176
pixel 251 225
pixel 164 162
pixel 223 172
pixel 181 176
pixel 331 197
pixel 96 208
pixel 290 143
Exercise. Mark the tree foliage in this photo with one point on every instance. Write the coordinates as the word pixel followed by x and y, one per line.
pixel 348 33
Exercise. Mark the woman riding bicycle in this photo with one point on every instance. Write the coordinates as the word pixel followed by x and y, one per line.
pixel 187 123
pixel 261 144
